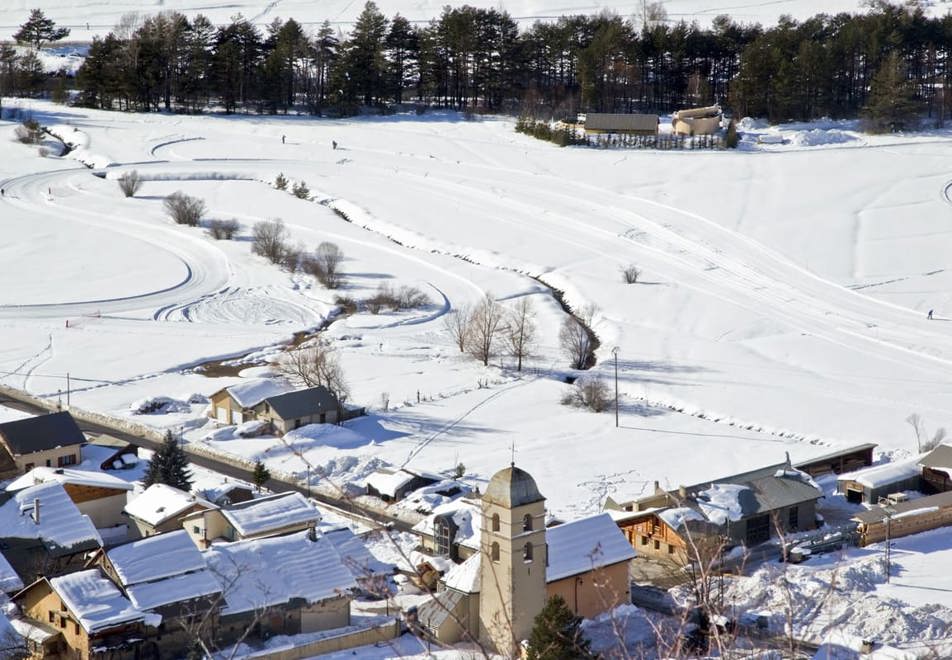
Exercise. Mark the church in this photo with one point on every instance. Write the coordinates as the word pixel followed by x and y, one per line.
pixel 494 596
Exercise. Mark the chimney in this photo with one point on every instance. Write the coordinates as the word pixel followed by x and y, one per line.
pixel 682 492
pixel 36 510
pixel 312 532
pixel 657 488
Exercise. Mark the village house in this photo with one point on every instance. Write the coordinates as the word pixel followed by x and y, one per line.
pixel 496 593
pixel 870 485
pixel 273 515
pixel 235 404
pixel 43 533
pixel 283 585
pixel 452 529
pixel 52 440
pixel 81 616
pixel 166 575
pixel 697 121
pixel 741 509
pixel 161 508
pixel 292 410
pixel 621 124
pixel 100 496
pixel 937 470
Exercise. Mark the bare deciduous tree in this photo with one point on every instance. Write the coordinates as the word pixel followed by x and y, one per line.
pixel 456 324
pixel 129 183
pixel 184 209
pixel 521 330
pixel 329 258
pixel 223 229
pixel 630 274
pixel 576 342
pixel 485 324
pixel 268 240
pixel 316 365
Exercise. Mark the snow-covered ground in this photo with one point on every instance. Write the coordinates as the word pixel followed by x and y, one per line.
pixel 87 19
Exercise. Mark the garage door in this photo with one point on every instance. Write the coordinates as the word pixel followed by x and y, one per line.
pixel 221 414
pixel 236 417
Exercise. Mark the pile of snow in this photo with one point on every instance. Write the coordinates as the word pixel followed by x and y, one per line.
pixel 250 429
pixel 159 405
pixel 818 137
pixel 677 516
pixel 626 624
pixel 721 502
pixel 78 141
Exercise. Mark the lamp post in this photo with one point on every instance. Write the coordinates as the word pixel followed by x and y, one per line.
pixel 615 355
pixel 308 480
pixel 889 511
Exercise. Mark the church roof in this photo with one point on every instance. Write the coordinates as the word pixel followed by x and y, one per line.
pixel 511 488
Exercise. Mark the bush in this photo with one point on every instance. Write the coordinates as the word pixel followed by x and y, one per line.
pixel 268 240
pixel 292 258
pixel 732 139
pixel 630 274
pixel 223 229
pixel 184 209
pixel 329 258
pixel 129 183
pixel 29 132
pixel 300 190
pixel 590 392
pixel 281 182
pixel 347 304
pixel 406 297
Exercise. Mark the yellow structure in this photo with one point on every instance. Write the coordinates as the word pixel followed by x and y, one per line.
pixel 513 559
pixel 697 121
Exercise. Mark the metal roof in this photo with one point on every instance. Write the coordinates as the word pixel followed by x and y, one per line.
pixel 940 457
pixel 878 514
pixel 302 403
pixel 25 436
pixel 512 487
pixel 603 121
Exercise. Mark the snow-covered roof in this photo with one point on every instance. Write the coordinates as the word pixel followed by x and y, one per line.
pixel 581 545
pixel 61 524
pixel 41 475
pixel 677 516
pixel 721 502
pixel 355 555
pixel 253 391
pixel 265 514
pixel 95 601
pixel 388 482
pixel 270 571
pixel 185 587
pixel 464 577
pixel 156 557
pixel 879 476
pixel 9 580
pixel 466 515
pixel 159 502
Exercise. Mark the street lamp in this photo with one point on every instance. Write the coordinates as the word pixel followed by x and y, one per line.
pixel 890 512
pixel 615 355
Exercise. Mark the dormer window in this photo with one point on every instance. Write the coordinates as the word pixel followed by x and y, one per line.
pixel 527 523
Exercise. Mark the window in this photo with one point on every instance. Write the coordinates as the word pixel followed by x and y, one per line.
pixel 657 544
pixel 69 459
pixel 76 628
pixel 495 522
pixel 527 552
pixel 670 549
pixel 323 418
pixel 644 540
pixel 494 552
pixel 52 616
pixel 793 518
pixel 297 423
pixel 49 463
pixel 63 622
pixel 444 538
pixel 527 523
pixel 28 467
pixel 196 529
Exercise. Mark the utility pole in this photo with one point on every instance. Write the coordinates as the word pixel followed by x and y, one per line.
pixel 308 479
pixel 67 390
pixel 615 354
pixel 889 511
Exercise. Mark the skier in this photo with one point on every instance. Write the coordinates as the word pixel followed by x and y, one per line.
pixel 334 145
pixel 282 139
pixel 930 315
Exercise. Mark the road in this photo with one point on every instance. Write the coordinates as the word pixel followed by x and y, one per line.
pixel 345 506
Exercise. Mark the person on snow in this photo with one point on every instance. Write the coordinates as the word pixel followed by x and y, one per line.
pixel 334 145
pixel 930 315
pixel 282 138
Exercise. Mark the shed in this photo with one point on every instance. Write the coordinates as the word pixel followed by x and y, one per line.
pixel 839 461
pixel 871 484
pixel 937 470
pixel 697 121
pixel 625 124
pixel 394 485
pixel 904 518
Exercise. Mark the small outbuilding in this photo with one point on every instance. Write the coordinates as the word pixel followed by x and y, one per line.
pixel 697 121
pixel 870 485
pixel 937 470
pixel 904 518
pixel 621 124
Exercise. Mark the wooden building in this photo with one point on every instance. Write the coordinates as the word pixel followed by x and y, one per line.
pixel 697 121
pixel 873 484
pixel 937 470
pixel 848 459
pixel 904 518
pixel 621 124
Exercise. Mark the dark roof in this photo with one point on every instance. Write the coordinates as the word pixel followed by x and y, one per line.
pixel 512 487
pixel 312 401
pixel 878 514
pixel 603 121
pixel 940 457
pixel 42 432
pixel 845 451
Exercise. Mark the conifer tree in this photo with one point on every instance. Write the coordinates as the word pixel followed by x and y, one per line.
pixel 261 475
pixel 556 634
pixel 169 466
pixel 891 102
pixel 39 29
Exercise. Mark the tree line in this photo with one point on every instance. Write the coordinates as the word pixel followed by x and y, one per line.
pixel 891 60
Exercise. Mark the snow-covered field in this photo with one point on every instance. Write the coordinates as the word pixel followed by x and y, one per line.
pixel 87 19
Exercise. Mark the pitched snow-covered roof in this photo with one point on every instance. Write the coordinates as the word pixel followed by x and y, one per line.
pixel 156 557
pixel 879 476
pixel 584 544
pixel 270 571
pixel 466 514
pixel 159 502
pixel 41 475
pixel 185 587
pixel 388 482
pixel 253 391
pixel 273 512
pixel 10 582
pixel 677 516
pixel 61 523
pixel 465 577
pixel 95 601
pixel 721 502
pixel 355 555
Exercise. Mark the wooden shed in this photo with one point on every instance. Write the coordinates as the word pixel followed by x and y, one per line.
pixel 871 484
pixel 622 124
pixel 904 518
pixel 937 470
pixel 843 460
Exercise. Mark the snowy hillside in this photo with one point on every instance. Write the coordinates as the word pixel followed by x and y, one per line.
pixel 101 16
pixel 782 306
